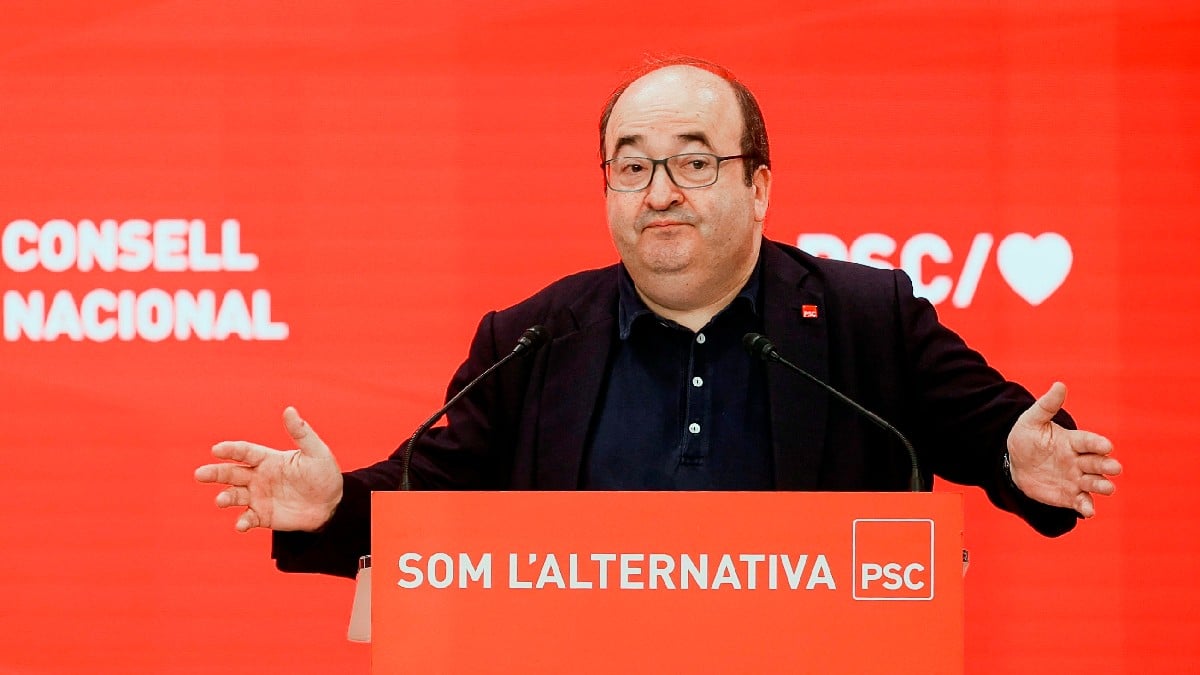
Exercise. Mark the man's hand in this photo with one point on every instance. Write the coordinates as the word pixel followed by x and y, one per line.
pixel 1059 466
pixel 281 489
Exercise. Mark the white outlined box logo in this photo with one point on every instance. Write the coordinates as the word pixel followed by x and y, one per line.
pixel 893 559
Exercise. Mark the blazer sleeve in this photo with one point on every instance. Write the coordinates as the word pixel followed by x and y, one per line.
pixel 964 411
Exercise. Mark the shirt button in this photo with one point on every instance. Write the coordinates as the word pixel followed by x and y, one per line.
pixel 697 382
pixel 700 339
pixel 694 428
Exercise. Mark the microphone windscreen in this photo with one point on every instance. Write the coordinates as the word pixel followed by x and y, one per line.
pixel 532 338
pixel 758 345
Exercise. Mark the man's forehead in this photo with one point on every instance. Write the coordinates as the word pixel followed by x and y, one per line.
pixel 701 101
pixel 685 87
pixel 674 81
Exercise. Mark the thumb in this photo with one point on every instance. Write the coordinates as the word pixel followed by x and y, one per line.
pixel 1046 407
pixel 307 440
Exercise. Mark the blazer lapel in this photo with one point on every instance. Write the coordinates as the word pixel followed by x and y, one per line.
pixel 798 408
pixel 575 370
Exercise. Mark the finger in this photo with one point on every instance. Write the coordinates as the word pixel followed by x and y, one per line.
pixel 1084 505
pixel 1045 407
pixel 1100 465
pixel 306 439
pixel 233 496
pixel 242 451
pixel 247 521
pixel 1089 442
pixel 1097 484
pixel 229 474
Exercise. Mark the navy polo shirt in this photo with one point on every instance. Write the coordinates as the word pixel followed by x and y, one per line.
pixel 682 410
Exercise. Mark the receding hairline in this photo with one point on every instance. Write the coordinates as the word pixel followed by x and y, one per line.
pixel 698 135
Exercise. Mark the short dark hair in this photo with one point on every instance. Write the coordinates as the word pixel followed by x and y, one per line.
pixel 754 129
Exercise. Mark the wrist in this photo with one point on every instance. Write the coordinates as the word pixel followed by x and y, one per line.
pixel 331 506
pixel 1006 468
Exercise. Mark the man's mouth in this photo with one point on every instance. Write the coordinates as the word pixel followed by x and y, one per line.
pixel 659 224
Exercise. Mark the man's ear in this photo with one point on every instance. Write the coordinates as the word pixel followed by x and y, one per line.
pixel 762 192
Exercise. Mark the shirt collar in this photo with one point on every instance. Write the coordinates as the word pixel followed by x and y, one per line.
pixel 631 308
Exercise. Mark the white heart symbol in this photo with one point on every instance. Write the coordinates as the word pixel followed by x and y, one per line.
pixel 1034 267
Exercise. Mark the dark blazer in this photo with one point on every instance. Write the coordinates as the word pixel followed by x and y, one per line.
pixel 527 427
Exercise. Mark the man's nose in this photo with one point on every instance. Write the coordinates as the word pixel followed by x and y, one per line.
pixel 662 192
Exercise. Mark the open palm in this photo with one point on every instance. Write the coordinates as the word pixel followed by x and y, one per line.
pixel 1059 466
pixel 281 489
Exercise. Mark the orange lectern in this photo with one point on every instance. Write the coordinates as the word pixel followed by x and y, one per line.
pixel 667 582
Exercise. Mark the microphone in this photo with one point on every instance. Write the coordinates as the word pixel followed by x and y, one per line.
pixel 529 341
pixel 760 345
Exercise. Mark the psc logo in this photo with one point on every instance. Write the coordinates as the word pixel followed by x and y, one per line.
pixel 1033 267
pixel 893 559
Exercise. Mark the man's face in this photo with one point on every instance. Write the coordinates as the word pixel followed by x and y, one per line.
pixel 697 238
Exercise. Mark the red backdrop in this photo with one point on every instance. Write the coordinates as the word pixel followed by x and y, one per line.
pixel 393 172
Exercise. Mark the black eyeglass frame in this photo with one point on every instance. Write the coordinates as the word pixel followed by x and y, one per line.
pixel 654 164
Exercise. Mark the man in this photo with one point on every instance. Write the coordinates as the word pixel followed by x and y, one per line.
pixel 644 384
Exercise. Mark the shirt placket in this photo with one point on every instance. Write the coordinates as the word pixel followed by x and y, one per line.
pixel 697 420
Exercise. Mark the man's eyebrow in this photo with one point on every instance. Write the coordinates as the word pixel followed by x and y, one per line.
pixel 690 137
pixel 626 140
pixel 695 137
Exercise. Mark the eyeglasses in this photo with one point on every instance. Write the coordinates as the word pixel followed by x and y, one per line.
pixel 690 170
